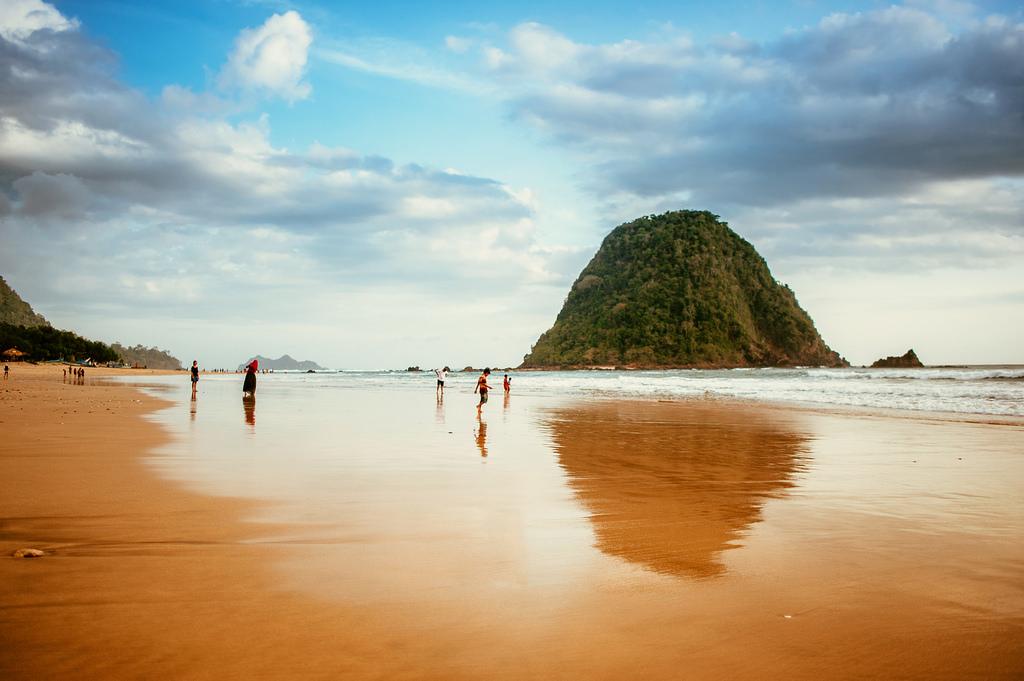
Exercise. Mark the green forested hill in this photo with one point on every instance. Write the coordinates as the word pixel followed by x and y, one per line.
pixel 14 310
pixel 22 329
pixel 150 358
pixel 676 290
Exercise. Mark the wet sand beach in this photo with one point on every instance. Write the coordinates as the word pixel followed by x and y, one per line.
pixel 350 532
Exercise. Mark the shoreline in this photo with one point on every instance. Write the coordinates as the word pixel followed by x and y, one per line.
pixel 147 578
pixel 142 577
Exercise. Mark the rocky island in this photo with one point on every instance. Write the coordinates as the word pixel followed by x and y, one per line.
pixel 908 361
pixel 282 363
pixel 677 290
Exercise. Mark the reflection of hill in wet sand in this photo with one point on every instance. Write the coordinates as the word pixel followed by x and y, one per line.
pixel 670 486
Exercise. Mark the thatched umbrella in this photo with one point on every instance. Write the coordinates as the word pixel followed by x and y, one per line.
pixel 13 354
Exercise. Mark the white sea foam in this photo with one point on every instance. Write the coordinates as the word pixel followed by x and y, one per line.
pixel 997 390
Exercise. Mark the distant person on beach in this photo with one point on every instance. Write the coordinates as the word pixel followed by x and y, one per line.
pixel 195 376
pixel 482 388
pixel 6 369
pixel 507 384
pixel 249 386
pixel 442 376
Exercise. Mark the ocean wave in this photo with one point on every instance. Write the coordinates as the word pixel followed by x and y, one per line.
pixel 967 390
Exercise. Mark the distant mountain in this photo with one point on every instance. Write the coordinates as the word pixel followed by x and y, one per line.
pixel 14 310
pixel 679 289
pixel 283 363
pixel 150 358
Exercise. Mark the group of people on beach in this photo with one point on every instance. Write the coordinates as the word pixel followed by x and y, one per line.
pixel 252 368
pixel 248 385
pixel 76 373
pixel 482 386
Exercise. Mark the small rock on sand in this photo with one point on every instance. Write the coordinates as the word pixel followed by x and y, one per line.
pixel 29 553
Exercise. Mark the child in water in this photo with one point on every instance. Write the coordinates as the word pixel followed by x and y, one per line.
pixel 482 388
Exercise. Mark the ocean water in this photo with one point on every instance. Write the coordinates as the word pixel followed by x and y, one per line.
pixel 991 390
pixel 570 528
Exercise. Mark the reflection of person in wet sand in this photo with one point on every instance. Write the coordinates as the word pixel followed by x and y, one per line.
pixel 439 413
pixel 481 436
pixel 249 406
pixel 670 487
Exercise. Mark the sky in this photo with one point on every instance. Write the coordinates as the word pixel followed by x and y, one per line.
pixel 388 184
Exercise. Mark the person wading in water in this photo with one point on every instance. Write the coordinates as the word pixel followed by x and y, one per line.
pixel 482 388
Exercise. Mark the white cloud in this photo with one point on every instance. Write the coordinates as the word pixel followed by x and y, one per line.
pixel 21 18
pixel 427 207
pixel 401 61
pixel 184 202
pixel 457 44
pixel 271 59
pixel 865 104
pixel 541 48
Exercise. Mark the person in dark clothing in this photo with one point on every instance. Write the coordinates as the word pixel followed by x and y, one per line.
pixel 249 386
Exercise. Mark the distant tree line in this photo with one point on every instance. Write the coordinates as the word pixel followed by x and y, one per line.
pixel 151 358
pixel 45 342
pixel 41 343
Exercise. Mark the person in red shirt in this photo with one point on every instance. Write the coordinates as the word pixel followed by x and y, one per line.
pixel 482 388
pixel 507 384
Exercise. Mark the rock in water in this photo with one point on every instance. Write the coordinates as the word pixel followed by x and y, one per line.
pixel 908 361
pixel 28 553
pixel 679 290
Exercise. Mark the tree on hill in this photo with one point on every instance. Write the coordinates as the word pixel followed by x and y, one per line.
pixel 675 290
pixel 14 310
pixel 45 342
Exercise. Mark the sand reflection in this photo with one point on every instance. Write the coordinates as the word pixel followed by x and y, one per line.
pixel 480 436
pixel 670 486
pixel 249 409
